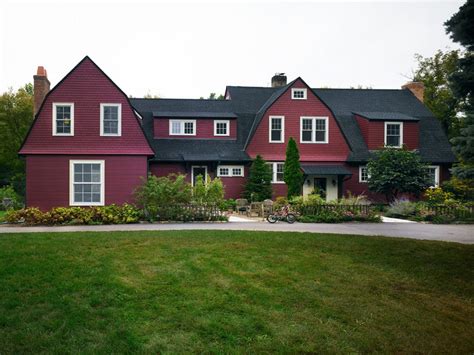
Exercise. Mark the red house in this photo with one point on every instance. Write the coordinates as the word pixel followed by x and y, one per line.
pixel 90 144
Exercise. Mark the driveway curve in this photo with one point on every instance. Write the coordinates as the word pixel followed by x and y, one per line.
pixel 448 233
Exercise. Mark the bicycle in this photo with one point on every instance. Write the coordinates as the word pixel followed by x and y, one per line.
pixel 283 215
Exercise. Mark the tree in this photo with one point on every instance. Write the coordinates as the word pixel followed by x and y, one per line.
pixel 259 182
pixel 213 96
pixel 394 171
pixel 461 29
pixel 16 116
pixel 292 173
pixel 435 73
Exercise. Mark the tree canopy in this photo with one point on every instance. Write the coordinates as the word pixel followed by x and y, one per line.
pixel 16 116
pixel 396 171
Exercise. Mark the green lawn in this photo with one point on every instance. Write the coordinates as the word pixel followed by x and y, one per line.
pixel 233 292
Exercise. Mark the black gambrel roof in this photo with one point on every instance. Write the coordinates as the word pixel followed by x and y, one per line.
pixel 249 104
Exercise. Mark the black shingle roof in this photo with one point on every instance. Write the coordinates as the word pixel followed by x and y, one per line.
pixel 384 116
pixel 248 105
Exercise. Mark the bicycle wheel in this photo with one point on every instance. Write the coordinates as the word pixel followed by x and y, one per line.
pixel 272 218
pixel 291 218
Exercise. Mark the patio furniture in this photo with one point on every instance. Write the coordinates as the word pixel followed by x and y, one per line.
pixel 242 206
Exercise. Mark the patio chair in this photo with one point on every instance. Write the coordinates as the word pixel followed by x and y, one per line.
pixel 242 206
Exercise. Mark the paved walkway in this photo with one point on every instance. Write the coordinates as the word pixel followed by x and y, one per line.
pixel 450 233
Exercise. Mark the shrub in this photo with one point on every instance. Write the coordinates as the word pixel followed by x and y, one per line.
pixel 111 214
pixel 401 208
pixel 258 186
pixel 462 190
pixel 8 192
pixel 227 205
pixel 437 195
pixel 338 216
pixel 163 193
pixel 210 193
pixel 353 200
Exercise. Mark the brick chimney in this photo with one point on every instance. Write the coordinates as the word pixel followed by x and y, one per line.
pixel 41 87
pixel 417 88
pixel 279 79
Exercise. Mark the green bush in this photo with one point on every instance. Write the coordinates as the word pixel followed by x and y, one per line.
pixel 227 205
pixel 8 192
pixel 210 193
pixel 462 189
pixel 436 196
pixel 111 214
pixel 338 216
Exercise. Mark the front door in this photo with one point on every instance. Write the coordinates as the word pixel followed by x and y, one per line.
pixel 320 186
pixel 199 170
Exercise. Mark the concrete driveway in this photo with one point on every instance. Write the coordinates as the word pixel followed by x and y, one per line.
pixel 448 233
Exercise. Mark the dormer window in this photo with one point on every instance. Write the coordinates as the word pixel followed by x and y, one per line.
pixel 221 128
pixel 182 127
pixel 394 134
pixel 110 119
pixel 298 94
pixel 63 119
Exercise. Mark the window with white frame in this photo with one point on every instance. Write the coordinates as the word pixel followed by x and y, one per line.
pixel 182 127
pixel 393 134
pixel 314 130
pixel 298 94
pixel 230 170
pixel 363 174
pixel 433 174
pixel 63 119
pixel 277 129
pixel 277 173
pixel 110 119
pixel 86 182
pixel 221 128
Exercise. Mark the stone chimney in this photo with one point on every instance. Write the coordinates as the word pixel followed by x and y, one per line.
pixel 279 79
pixel 41 87
pixel 417 88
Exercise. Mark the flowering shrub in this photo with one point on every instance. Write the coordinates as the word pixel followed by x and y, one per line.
pixel 111 214
pixel 437 195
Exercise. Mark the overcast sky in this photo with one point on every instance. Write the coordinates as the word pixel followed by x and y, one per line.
pixel 189 50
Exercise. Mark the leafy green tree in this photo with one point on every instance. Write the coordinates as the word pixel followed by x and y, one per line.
pixel 259 182
pixel 463 146
pixel 214 96
pixel 16 116
pixel 211 192
pixel 394 171
pixel 435 73
pixel 292 173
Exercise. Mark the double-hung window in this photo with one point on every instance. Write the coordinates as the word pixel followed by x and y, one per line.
pixel 393 134
pixel 277 129
pixel 314 130
pixel 298 94
pixel 433 174
pixel 277 173
pixel 63 119
pixel 86 182
pixel 221 128
pixel 182 127
pixel 110 119
pixel 363 174
pixel 230 171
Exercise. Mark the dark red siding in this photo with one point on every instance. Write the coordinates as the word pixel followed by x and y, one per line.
pixel 87 87
pixel 336 150
pixel 374 133
pixel 204 129
pixel 47 178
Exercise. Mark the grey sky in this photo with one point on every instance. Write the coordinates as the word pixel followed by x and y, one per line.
pixel 190 50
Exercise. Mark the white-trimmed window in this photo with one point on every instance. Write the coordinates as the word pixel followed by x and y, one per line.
pixel 363 173
pixel 63 119
pixel 230 171
pixel 87 182
pixel 277 173
pixel 298 94
pixel 433 173
pixel 110 119
pixel 314 130
pixel 182 127
pixel 276 132
pixel 221 127
pixel 394 134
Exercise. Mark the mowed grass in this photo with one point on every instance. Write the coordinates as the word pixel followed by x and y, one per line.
pixel 233 291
